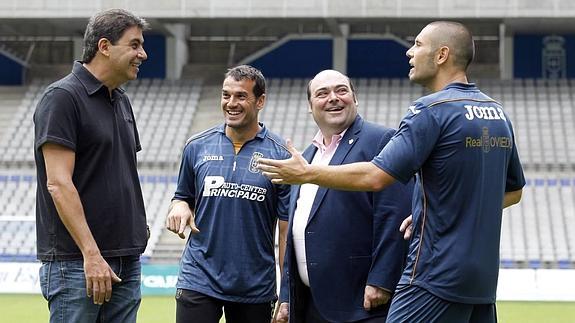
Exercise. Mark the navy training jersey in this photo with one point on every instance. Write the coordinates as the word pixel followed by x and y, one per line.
pixel 236 208
pixel 460 144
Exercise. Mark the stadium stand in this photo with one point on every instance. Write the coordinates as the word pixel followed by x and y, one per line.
pixel 537 233
pixel 17 212
pixel 542 114
pixel 164 110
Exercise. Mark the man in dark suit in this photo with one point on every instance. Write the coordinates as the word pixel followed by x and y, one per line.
pixel 342 268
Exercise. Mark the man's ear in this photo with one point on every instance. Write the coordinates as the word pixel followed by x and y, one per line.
pixel 104 46
pixel 442 55
pixel 261 101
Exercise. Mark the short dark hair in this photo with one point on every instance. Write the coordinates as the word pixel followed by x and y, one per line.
pixel 352 88
pixel 459 40
pixel 110 24
pixel 247 72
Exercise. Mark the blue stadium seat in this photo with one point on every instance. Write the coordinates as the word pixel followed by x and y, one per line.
pixel 534 264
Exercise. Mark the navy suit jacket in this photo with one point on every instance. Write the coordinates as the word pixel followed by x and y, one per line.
pixel 351 239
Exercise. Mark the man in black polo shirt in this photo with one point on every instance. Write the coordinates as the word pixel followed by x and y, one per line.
pixel 90 218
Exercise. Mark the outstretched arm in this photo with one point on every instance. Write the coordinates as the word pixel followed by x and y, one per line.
pixel 362 176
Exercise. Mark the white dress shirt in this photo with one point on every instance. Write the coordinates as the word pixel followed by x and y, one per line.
pixel 305 200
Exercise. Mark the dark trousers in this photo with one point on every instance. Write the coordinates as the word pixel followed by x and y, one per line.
pixel 414 304
pixel 310 314
pixel 194 307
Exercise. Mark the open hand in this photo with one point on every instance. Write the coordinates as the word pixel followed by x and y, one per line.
pixel 287 171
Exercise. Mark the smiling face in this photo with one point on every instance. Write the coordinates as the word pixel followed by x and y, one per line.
pixel 332 102
pixel 421 58
pixel 239 104
pixel 127 54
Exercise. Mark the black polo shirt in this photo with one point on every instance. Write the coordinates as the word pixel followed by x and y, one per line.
pixel 77 112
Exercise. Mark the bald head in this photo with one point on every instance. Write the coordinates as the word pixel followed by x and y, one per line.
pixel 455 36
pixel 329 74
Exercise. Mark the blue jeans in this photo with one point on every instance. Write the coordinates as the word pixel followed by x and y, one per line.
pixel 63 285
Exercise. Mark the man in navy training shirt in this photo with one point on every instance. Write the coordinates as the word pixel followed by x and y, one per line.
pixel 233 210
pixel 460 145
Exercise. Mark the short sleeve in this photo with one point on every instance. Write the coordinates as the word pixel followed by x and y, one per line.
pixel 136 134
pixel 186 189
pixel 56 119
pixel 411 145
pixel 283 192
pixel 515 177
pixel 283 195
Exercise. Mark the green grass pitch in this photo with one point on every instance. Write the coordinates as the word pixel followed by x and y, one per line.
pixel 33 308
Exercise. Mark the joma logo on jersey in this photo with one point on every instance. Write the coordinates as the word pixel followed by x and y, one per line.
pixel 213 157
pixel 486 113
pixel 413 109
pixel 254 162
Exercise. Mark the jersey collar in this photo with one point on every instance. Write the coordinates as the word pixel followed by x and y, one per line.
pixel 261 134
pixel 461 86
